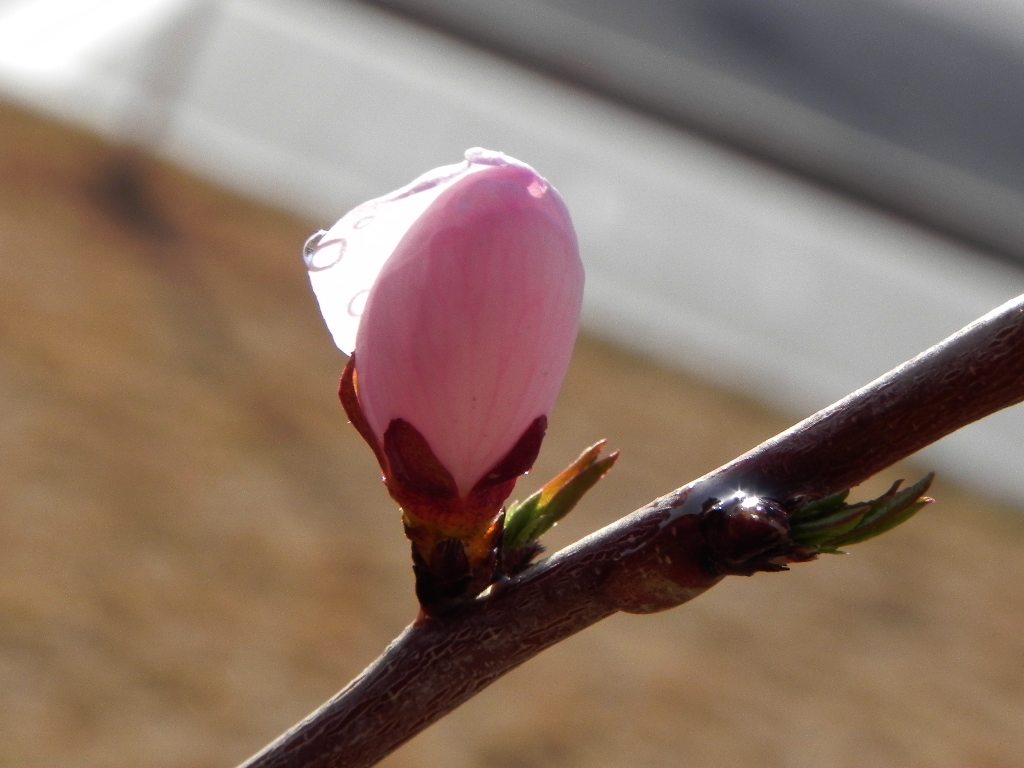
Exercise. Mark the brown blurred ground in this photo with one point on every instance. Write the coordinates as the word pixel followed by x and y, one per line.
pixel 196 551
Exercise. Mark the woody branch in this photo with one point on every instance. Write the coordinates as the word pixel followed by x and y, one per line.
pixel 655 558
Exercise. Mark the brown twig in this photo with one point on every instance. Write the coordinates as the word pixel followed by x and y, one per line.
pixel 657 557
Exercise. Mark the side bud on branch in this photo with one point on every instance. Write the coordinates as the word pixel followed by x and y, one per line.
pixel 458 298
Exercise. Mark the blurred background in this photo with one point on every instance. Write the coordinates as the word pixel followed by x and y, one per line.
pixel 776 201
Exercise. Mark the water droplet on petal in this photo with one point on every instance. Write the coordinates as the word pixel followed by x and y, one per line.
pixel 363 222
pixel 320 254
pixel 310 246
pixel 483 156
pixel 357 303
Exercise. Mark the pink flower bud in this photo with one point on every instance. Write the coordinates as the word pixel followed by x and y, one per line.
pixel 461 293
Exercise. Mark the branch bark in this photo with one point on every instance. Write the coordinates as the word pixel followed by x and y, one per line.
pixel 657 557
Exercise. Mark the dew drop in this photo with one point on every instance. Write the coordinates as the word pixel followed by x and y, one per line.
pixel 483 156
pixel 363 222
pixel 310 246
pixel 357 303
pixel 319 254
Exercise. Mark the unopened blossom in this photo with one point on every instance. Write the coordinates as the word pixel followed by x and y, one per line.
pixel 459 298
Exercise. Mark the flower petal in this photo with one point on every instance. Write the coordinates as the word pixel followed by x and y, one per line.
pixel 470 325
pixel 344 261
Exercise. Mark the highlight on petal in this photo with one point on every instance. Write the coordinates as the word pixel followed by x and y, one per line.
pixel 343 262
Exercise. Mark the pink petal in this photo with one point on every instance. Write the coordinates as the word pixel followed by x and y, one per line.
pixel 344 261
pixel 469 326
